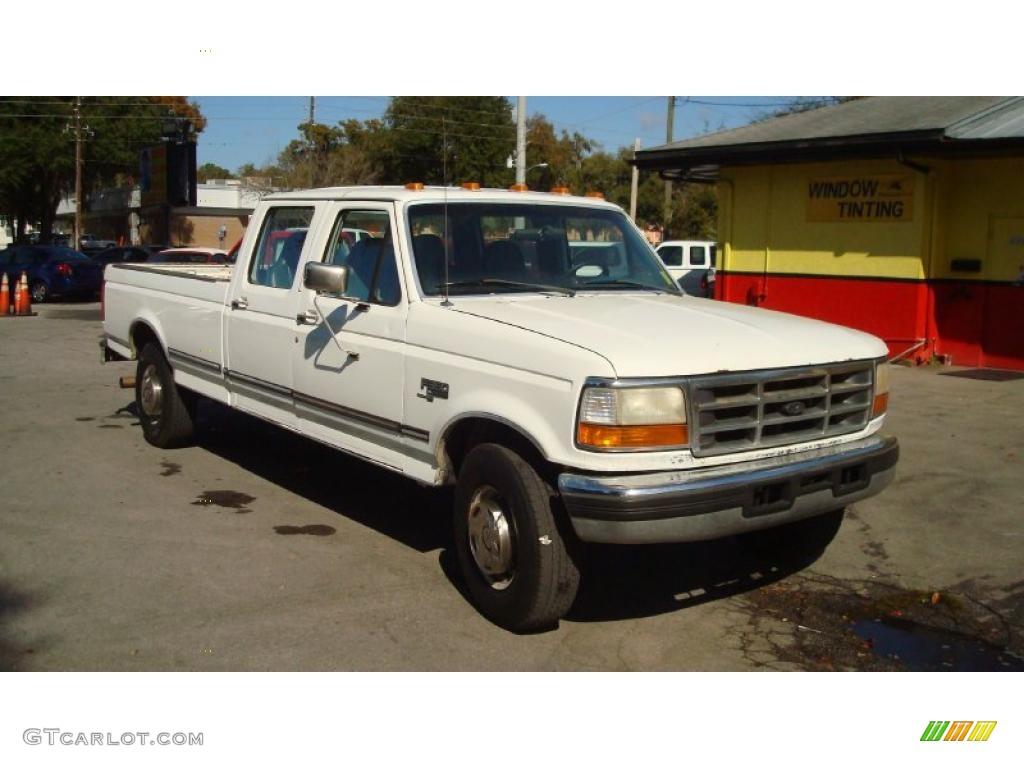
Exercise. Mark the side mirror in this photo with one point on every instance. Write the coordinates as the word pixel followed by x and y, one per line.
pixel 325 278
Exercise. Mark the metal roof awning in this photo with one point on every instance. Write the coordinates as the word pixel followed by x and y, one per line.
pixel 879 126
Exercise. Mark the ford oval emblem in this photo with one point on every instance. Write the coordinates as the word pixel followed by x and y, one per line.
pixel 794 408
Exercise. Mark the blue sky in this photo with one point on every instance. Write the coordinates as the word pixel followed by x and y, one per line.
pixel 244 129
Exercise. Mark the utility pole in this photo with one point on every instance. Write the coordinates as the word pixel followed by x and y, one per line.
pixel 312 148
pixel 521 140
pixel 635 185
pixel 668 184
pixel 78 172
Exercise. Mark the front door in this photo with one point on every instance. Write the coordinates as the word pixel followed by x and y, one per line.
pixel 348 385
pixel 261 320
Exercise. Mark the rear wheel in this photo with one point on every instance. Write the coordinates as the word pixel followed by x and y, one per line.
pixel 511 554
pixel 166 412
pixel 40 292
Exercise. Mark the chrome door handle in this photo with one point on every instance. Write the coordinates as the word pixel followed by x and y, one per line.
pixel 240 303
pixel 309 317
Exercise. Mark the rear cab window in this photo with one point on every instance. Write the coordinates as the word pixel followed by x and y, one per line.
pixel 276 257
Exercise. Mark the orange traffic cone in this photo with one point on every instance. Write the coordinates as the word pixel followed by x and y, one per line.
pixel 23 299
pixel 5 296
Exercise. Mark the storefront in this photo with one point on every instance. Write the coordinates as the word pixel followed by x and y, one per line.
pixel 903 217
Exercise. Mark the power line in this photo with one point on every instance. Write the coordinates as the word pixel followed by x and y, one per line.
pixel 705 102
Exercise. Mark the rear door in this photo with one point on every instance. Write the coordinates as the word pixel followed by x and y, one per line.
pixel 260 321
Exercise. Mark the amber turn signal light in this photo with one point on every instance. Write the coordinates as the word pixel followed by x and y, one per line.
pixel 881 404
pixel 643 436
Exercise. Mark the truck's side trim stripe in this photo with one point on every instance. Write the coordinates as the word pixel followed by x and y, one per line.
pixel 252 381
pixel 185 357
pixel 334 409
pixel 348 413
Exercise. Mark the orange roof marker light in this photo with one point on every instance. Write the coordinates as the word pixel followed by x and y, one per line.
pixel 598 195
pixel 472 186
pixel 519 188
pixel 414 186
pixel 561 191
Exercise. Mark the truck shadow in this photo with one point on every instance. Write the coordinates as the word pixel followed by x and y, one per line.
pixel 647 580
pixel 417 517
pixel 617 582
pixel 13 656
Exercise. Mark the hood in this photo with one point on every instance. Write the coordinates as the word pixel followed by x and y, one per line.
pixel 662 335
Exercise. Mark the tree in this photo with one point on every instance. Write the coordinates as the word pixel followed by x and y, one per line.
pixel 208 171
pixel 447 139
pixel 564 154
pixel 37 147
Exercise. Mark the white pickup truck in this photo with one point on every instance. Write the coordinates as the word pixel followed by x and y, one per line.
pixel 526 348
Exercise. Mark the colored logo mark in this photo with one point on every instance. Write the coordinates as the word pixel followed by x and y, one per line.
pixel 958 730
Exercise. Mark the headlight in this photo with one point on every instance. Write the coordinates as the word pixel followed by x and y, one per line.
pixel 634 418
pixel 881 403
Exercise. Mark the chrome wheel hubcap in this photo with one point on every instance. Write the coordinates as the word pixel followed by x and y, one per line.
pixel 491 538
pixel 151 392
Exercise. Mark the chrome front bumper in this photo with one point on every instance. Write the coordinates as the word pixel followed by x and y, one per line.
pixel 712 502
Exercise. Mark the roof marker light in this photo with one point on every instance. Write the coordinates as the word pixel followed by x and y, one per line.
pixel 414 186
pixel 560 191
pixel 472 186
pixel 598 195
pixel 519 188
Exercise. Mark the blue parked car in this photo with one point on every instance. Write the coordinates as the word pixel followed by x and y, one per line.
pixel 52 270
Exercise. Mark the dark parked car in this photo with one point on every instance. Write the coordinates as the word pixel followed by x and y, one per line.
pixel 121 254
pixel 52 270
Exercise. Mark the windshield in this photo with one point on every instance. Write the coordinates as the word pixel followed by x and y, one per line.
pixel 524 247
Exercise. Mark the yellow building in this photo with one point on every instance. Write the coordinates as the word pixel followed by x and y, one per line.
pixel 901 216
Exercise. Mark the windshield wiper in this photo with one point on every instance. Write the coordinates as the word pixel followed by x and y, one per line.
pixel 498 282
pixel 624 284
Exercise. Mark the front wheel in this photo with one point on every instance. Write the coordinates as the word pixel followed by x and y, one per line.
pixel 511 554
pixel 166 412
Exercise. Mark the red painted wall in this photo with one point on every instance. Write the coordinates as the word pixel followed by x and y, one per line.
pixel 977 324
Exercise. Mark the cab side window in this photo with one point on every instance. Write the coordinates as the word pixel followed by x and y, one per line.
pixel 362 241
pixel 276 257
pixel 698 256
pixel 671 255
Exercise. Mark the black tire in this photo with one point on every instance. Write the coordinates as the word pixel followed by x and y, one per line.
pixel 40 293
pixel 542 579
pixel 166 412
pixel 802 541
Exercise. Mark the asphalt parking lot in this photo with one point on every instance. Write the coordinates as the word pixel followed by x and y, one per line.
pixel 258 550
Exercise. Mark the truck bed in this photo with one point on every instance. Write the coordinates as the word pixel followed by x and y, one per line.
pixel 189 300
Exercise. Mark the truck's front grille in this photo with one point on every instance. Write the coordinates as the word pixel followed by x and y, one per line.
pixel 761 409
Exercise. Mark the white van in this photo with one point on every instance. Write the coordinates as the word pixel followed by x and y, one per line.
pixel 691 264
